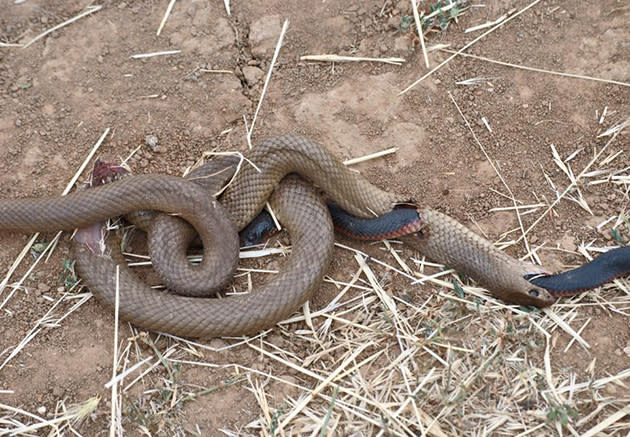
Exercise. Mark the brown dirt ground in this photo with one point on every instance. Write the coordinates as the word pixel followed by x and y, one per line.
pixel 59 95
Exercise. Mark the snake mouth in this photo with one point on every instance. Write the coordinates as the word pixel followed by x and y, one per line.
pixel 93 236
pixel 105 172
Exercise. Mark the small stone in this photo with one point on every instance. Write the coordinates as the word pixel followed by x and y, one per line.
pixel 43 287
pixel 41 410
pixel 618 352
pixel 610 389
pixel 393 22
pixel 402 44
pixel 406 298
pixel 263 34
pixel 44 19
pixel 153 143
pixel 404 7
pixel 252 75
pixel 275 339
pixel 626 350
pixel 258 366
pixel 217 343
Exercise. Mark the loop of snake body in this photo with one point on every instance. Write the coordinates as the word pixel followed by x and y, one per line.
pixel 303 213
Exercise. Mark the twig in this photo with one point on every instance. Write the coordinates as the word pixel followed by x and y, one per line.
pixel 571 185
pixel 166 14
pixel 276 52
pixel 450 58
pixel 88 11
pixel 153 54
pixel 339 58
pixel 538 70
pixel 370 156
pixel 416 18
pixel 496 170
pixel 114 422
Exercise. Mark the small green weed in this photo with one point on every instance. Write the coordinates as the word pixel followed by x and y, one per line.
pixel 561 413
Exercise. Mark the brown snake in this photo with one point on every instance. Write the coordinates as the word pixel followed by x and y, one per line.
pixel 299 208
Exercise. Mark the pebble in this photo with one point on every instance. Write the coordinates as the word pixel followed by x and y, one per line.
pixel 153 143
pixel 263 34
pixel 260 366
pixel 402 44
pixel 41 410
pixel 43 287
pixel 217 343
pixel 610 390
pixel 252 75
pixel 404 7
pixel 626 350
pixel 275 339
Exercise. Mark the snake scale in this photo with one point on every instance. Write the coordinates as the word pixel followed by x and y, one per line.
pixel 298 206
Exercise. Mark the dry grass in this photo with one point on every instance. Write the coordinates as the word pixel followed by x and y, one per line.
pixel 444 359
pixel 376 363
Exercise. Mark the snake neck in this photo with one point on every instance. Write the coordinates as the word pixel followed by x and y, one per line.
pixel 445 240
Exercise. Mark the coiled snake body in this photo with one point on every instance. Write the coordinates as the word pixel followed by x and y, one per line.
pixel 299 208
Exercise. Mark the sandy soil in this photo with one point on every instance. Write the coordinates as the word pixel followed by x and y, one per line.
pixel 61 93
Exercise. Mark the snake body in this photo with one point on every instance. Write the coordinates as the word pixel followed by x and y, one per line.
pixel 156 192
pixel 301 210
pixel 306 218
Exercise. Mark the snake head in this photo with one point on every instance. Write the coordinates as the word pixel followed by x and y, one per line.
pixel 93 236
pixel 105 172
pixel 516 286
pixel 526 293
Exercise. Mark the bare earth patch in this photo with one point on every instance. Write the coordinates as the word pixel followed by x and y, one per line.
pixel 531 159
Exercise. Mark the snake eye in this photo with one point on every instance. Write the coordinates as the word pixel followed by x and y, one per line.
pixel 534 292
